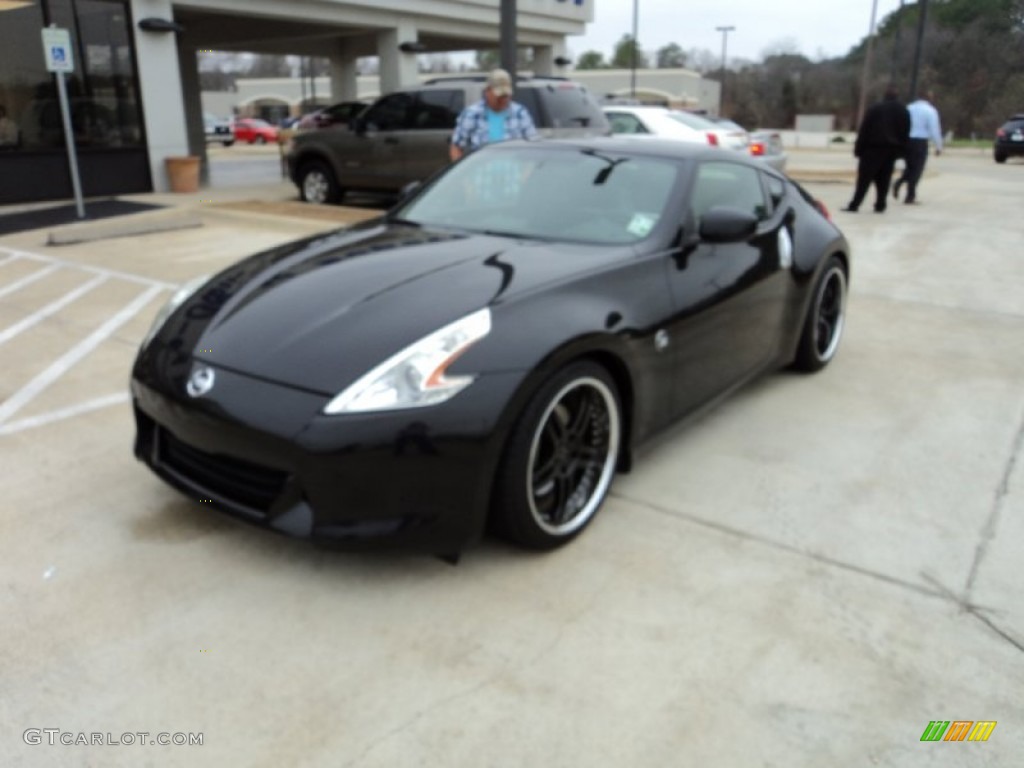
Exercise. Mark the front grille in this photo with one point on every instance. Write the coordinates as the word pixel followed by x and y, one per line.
pixel 249 485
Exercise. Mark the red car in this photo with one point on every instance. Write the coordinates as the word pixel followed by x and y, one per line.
pixel 254 131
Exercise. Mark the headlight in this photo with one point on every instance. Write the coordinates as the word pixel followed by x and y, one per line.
pixel 416 376
pixel 176 300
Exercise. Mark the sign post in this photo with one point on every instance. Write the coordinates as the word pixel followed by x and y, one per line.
pixel 59 59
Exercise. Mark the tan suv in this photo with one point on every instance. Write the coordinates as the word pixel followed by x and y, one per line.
pixel 404 136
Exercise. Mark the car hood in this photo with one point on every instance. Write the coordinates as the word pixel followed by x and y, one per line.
pixel 320 313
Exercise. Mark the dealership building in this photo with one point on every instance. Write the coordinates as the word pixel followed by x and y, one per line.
pixel 134 93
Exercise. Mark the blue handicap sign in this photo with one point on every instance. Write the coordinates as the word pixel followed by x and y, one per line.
pixel 58 54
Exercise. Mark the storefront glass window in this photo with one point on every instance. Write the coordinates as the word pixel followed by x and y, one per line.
pixel 102 90
pixel 22 73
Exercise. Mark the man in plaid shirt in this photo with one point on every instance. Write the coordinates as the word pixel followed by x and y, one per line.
pixel 494 118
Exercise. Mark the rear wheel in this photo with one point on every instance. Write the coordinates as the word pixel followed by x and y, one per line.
pixel 261 139
pixel 823 326
pixel 1000 156
pixel 560 459
pixel 318 185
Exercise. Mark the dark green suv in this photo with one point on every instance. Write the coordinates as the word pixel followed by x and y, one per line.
pixel 403 136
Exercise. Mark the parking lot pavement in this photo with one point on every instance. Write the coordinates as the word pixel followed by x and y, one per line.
pixel 807 576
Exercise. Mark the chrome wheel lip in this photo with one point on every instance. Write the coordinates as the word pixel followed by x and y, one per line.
pixel 834 278
pixel 607 472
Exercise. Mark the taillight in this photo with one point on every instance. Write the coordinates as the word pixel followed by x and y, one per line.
pixel 1001 134
pixel 712 139
pixel 757 148
pixel 822 209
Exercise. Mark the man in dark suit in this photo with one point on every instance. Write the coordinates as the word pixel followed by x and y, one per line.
pixel 882 139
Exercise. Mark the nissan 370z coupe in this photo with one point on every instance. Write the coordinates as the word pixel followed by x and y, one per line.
pixel 486 355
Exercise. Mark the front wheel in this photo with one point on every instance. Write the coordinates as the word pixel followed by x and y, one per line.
pixel 560 459
pixel 317 184
pixel 823 326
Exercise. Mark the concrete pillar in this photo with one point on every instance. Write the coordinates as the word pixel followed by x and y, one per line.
pixel 188 64
pixel 397 68
pixel 544 57
pixel 343 75
pixel 160 87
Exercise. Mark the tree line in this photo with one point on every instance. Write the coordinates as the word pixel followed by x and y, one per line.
pixel 972 58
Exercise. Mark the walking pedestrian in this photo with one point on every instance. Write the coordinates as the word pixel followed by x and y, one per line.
pixel 881 140
pixel 924 126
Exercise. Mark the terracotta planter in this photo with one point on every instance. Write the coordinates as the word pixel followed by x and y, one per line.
pixel 183 173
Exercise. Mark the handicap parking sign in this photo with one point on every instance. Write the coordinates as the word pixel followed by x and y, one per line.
pixel 57 50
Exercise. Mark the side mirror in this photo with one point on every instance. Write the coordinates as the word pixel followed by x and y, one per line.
pixel 722 224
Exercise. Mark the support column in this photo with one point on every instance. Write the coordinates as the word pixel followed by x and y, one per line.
pixel 545 58
pixel 344 73
pixel 397 68
pixel 160 87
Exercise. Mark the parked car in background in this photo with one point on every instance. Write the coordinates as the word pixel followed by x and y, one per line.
pixel 666 123
pixel 1009 140
pixel 342 113
pixel 217 130
pixel 487 356
pixel 767 147
pixel 255 131
pixel 404 136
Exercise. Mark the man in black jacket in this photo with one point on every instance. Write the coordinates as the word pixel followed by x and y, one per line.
pixel 881 140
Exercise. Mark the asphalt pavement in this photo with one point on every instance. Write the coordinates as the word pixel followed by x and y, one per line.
pixel 807 576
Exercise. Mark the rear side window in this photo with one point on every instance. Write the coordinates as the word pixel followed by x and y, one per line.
pixel 1014 124
pixel 569 106
pixel 728 184
pixel 437 109
pixel 390 113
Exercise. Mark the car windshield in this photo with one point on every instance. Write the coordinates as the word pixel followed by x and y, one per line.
pixel 565 193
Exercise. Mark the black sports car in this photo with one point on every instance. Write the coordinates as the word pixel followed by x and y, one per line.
pixel 489 351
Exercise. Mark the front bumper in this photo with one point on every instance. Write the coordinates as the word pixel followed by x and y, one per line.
pixel 416 479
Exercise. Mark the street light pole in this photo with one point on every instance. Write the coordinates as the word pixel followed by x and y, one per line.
pixel 721 88
pixel 866 72
pixel 636 44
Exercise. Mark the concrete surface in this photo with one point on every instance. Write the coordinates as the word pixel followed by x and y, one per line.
pixel 805 577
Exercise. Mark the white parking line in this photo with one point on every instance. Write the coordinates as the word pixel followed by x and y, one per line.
pixel 59 367
pixel 65 413
pixel 53 307
pixel 28 279
pixel 15 254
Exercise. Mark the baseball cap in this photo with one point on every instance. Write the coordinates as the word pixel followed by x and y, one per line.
pixel 500 82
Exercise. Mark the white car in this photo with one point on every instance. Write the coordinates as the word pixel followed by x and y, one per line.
pixel 674 124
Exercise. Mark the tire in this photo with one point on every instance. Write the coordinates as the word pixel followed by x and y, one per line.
pixel 260 139
pixel 560 459
pixel 1000 156
pixel 228 143
pixel 823 326
pixel 317 184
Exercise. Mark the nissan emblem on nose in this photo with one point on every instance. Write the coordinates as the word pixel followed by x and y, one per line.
pixel 200 382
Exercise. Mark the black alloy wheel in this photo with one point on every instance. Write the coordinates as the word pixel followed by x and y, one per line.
pixel 823 327
pixel 560 460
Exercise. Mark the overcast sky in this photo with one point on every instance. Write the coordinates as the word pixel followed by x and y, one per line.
pixel 815 28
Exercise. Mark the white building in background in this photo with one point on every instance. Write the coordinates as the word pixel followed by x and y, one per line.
pixel 274 98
